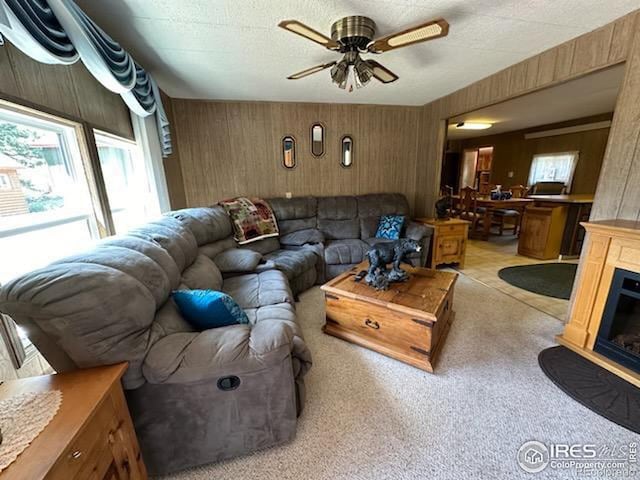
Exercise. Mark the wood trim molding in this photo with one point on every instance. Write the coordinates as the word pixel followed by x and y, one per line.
pixel 566 130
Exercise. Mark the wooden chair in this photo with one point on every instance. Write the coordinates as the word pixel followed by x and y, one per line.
pixel 519 191
pixel 502 214
pixel 469 207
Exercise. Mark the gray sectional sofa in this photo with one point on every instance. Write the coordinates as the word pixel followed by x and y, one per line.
pixel 197 397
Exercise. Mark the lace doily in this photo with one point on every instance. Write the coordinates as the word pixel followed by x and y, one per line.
pixel 22 418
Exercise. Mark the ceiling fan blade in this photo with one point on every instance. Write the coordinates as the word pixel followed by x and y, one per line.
pixel 420 33
pixel 301 29
pixel 310 71
pixel 381 73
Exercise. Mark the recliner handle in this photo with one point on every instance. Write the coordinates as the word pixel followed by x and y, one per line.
pixel 229 383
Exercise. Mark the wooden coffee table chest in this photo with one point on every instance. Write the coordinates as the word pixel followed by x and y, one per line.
pixel 408 322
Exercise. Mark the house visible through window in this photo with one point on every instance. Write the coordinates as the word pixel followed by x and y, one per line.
pixel 554 167
pixel 132 197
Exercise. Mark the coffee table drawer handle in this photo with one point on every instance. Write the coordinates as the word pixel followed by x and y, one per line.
pixel 372 324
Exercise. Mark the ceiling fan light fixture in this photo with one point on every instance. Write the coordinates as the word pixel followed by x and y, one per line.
pixel 414 36
pixel 339 73
pixel 309 71
pixel 381 73
pixel 307 32
pixel 363 72
pixel 473 125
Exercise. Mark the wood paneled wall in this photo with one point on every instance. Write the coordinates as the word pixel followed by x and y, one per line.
pixel 613 43
pixel 172 167
pixel 513 153
pixel 66 90
pixel 232 148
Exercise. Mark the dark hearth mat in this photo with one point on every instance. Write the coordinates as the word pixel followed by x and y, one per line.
pixel 549 279
pixel 594 387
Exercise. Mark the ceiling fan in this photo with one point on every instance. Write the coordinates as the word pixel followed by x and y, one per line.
pixel 352 36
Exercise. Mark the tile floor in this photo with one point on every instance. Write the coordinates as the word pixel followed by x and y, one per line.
pixel 485 258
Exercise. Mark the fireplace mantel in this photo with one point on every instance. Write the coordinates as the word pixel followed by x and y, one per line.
pixel 611 244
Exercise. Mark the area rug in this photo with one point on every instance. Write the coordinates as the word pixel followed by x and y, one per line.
pixel 369 417
pixel 549 279
pixel 594 387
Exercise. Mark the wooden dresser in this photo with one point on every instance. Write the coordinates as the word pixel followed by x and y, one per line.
pixel 91 436
pixel 449 241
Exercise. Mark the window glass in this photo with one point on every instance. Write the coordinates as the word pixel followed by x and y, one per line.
pixel 45 206
pixel 553 167
pixel 132 198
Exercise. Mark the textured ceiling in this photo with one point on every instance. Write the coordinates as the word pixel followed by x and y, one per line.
pixel 233 49
pixel 590 95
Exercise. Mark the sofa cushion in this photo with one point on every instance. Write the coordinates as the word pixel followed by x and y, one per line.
pixel 338 252
pixel 339 229
pixel 293 208
pixel 237 260
pixel 205 309
pixel 299 238
pixel 293 262
pixel 214 248
pixel 203 274
pixel 169 320
pixel 390 227
pixel 131 263
pixel 173 236
pixel 259 289
pixel 294 214
pixel 368 226
pixel 372 206
pixel 337 208
pixel 264 246
pixel 207 224
pixel 149 248
pixel 279 311
pixel 97 314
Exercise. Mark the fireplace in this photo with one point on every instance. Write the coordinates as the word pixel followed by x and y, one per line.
pixel 619 333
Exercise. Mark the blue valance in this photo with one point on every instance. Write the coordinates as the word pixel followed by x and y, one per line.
pixel 32 27
pixel 59 32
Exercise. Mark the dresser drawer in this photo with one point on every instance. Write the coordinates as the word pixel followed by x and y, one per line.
pixel 380 325
pixel 89 445
pixel 452 229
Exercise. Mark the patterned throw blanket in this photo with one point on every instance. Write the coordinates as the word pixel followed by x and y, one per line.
pixel 252 219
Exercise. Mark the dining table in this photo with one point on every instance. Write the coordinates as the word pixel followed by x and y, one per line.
pixel 490 205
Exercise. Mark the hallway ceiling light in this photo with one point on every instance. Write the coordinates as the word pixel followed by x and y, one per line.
pixel 473 125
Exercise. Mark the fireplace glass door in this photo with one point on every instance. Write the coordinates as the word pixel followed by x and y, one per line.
pixel 619 335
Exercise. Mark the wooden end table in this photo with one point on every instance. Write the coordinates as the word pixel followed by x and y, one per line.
pixel 449 240
pixel 408 322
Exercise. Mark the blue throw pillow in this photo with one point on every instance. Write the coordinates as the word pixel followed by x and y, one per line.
pixel 389 227
pixel 205 309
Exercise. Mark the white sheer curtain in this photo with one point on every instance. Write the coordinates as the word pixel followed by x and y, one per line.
pixel 553 167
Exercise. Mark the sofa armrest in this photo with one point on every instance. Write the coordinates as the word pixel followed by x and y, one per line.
pixel 417 231
pixel 236 349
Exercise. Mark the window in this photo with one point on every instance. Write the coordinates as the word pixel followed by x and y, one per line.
pixel 47 211
pixel 5 182
pixel 132 197
pixel 553 167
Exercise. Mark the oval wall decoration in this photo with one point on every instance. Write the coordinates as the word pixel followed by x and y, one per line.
pixel 317 140
pixel 346 149
pixel 288 152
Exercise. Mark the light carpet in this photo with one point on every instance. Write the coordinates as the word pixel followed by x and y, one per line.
pixel 370 417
